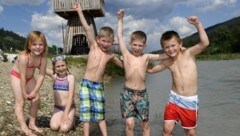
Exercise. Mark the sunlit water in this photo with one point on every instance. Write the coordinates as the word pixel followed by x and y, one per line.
pixel 219 94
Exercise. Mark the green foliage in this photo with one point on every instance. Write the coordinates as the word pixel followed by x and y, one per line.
pixel 76 61
pixel 113 70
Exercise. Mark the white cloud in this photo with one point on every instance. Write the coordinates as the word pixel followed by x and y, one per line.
pixel 17 2
pixel 50 24
pixel 1 9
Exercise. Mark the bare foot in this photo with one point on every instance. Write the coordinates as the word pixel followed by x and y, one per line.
pixel 35 128
pixel 27 132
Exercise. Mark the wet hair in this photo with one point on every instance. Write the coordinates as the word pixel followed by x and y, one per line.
pixel 169 35
pixel 106 32
pixel 56 59
pixel 138 35
pixel 32 37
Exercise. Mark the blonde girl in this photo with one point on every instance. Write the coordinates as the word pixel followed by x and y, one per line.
pixel 63 85
pixel 24 85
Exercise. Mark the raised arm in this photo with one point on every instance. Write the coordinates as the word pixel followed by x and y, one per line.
pixel 204 42
pixel 120 15
pixel 86 27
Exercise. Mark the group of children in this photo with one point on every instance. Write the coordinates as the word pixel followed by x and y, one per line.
pixel 134 102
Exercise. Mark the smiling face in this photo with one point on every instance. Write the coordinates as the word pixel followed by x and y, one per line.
pixel 61 68
pixel 171 47
pixel 36 47
pixel 137 47
pixel 104 43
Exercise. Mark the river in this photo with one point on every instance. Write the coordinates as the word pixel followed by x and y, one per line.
pixel 219 95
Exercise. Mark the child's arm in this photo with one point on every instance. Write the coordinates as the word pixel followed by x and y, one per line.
pixel 204 42
pixel 22 65
pixel 122 45
pixel 117 61
pixel 40 79
pixel 70 98
pixel 157 68
pixel 49 72
pixel 160 56
pixel 85 25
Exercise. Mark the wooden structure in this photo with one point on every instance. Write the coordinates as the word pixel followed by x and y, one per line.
pixel 75 41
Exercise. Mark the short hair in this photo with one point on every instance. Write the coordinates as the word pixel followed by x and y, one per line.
pixel 106 32
pixel 138 35
pixel 169 35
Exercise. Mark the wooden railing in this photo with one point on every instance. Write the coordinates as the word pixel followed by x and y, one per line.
pixel 67 5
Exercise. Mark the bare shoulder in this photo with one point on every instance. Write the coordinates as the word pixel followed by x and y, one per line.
pixel 70 77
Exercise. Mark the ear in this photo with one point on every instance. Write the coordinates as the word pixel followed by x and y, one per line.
pixel 144 46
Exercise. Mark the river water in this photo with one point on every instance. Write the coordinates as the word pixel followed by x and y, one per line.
pixel 219 95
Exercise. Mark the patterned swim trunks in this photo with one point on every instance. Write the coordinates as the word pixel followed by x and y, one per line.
pixel 92 101
pixel 134 103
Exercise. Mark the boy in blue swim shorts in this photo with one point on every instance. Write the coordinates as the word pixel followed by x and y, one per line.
pixel 92 100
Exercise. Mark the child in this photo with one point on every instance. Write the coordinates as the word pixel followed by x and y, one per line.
pixel 92 100
pixel 24 85
pixel 183 99
pixel 134 97
pixel 63 86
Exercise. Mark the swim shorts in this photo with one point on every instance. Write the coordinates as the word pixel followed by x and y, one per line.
pixel 183 108
pixel 134 103
pixel 92 101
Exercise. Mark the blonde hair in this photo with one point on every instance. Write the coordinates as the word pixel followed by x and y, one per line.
pixel 106 32
pixel 32 37
pixel 138 35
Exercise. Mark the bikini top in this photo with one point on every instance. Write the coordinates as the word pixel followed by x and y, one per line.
pixel 61 84
pixel 33 66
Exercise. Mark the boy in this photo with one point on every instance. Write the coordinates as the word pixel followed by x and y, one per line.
pixel 134 97
pixel 183 99
pixel 92 100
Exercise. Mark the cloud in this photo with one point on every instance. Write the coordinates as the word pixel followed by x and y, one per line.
pixel 50 24
pixel 1 9
pixel 18 2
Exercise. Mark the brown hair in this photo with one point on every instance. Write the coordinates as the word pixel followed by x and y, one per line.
pixel 34 36
pixel 169 35
pixel 138 35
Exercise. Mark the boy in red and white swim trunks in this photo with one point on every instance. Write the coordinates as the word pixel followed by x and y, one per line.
pixel 183 100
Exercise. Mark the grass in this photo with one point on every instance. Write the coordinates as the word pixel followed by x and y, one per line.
pixel 219 57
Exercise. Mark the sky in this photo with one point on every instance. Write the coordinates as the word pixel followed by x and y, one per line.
pixel 151 16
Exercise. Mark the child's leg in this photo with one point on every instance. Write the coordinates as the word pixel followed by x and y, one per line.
pixel 103 127
pixel 56 119
pixel 130 126
pixel 86 128
pixel 34 107
pixel 19 105
pixel 168 128
pixel 66 126
pixel 190 132
pixel 146 128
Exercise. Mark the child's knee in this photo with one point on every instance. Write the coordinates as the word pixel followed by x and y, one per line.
pixel 145 125
pixel 54 126
pixel 130 125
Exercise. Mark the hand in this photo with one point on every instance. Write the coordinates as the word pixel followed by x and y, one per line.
pixel 120 14
pixel 25 96
pixel 77 7
pixel 32 95
pixel 66 120
pixel 193 20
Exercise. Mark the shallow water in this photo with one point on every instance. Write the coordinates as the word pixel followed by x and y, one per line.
pixel 219 95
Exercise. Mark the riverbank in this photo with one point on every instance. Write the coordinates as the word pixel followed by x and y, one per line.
pixel 8 123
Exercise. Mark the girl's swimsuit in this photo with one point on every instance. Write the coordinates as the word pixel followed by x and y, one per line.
pixel 16 74
pixel 61 84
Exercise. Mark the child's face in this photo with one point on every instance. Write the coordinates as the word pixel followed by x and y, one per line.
pixel 37 47
pixel 137 47
pixel 171 47
pixel 104 43
pixel 61 68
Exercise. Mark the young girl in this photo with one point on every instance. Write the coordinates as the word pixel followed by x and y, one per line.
pixel 24 85
pixel 63 86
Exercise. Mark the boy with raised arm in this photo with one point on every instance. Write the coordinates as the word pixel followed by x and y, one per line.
pixel 92 100
pixel 183 99
pixel 134 97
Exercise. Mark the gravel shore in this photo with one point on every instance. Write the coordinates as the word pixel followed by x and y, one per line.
pixel 8 123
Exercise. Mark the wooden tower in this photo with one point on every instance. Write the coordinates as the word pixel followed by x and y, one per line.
pixel 75 41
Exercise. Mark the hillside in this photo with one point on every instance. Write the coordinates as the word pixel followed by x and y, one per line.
pixel 9 39
pixel 224 38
